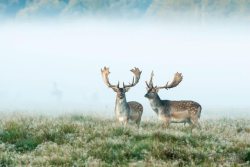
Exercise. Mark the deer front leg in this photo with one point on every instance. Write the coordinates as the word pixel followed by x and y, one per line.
pixel 117 120
pixel 125 122
pixel 166 122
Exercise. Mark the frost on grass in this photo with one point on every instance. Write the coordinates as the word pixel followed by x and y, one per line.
pixel 90 141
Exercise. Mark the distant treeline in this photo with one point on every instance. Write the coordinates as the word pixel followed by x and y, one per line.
pixel 127 8
pixel 201 8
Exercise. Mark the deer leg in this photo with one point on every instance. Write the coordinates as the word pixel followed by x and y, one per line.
pixel 195 122
pixel 125 123
pixel 188 121
pixel 166 123
pixel 138 122
pixel 117 121
pixel 198 125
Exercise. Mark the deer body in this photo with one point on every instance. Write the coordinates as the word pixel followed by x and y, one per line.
pixel 173 111
pixel 176 111
pixel 125 111
pixel 136 110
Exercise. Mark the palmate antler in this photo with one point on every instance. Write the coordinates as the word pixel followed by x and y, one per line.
pixel 137 74
pixel 175 81
pixel 105 73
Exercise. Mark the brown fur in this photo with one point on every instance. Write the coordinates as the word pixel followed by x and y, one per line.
pixel 172 111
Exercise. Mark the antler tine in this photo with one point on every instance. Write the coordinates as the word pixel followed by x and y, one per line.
pixel 137 74
pixel 150 84
pixel 151 79
pixel 175 81
pixel 105 73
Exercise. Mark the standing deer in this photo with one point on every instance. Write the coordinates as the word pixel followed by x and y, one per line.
pixel 172 111
pixel 125 111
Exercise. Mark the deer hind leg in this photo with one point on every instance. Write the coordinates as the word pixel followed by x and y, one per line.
pixel 138 121
pixel 188 122
pixel 195 123
pixel 139 118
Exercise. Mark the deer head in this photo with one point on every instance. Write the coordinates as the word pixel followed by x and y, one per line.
pixel 152 91
pixel 116 88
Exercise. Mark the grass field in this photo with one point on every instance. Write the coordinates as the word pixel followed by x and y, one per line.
pixel 77 140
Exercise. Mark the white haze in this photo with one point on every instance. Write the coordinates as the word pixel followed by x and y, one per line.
pixel 214 61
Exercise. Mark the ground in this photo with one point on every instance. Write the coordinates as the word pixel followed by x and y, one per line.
pixel 78 140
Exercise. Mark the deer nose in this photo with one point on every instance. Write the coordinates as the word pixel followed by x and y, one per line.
pixel 146 95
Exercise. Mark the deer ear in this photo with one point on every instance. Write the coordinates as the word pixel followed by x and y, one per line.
pixel 156 89
pixel 127 89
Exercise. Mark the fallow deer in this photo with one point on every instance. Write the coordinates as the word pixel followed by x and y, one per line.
pixel 172 111
pixel 125 111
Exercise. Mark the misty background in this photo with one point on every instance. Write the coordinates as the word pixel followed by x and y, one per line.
pixel 51 53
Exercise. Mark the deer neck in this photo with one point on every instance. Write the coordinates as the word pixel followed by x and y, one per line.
pixel 121 106
pixel 156 103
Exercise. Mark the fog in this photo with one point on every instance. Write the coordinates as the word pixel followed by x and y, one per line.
pixel 53 67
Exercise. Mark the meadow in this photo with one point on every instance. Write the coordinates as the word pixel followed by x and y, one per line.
pixel 81 140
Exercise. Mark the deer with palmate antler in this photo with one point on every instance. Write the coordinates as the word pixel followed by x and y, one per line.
pixel 125 111
pixel 172 111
